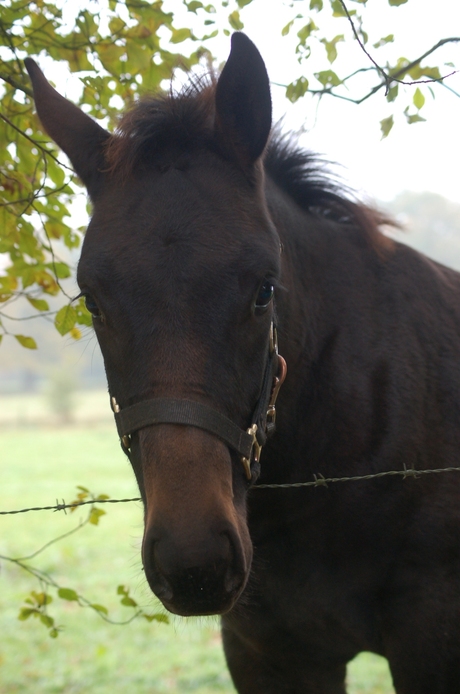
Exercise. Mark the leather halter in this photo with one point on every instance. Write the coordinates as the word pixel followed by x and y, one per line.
pixel 248 444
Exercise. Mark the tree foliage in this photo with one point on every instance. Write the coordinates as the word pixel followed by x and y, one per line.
pixel 120 49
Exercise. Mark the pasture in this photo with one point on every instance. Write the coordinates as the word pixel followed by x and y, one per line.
pixel 41 463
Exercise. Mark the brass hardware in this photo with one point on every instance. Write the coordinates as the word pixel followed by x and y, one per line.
pixel 278 382
pixel 273 339
pixel 255 451
pixel 115 406
pixel 247 467
pixel 126 441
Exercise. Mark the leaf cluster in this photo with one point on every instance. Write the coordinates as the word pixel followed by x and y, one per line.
pixel 118 52
pixel 37 602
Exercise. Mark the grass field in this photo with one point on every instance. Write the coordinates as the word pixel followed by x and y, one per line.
pixel 40 464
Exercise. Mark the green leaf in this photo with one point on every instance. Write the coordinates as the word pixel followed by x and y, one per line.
pixel 95 514
pixel 27 342
pixel 116 25
pixel 418 99
pixel 26 612
pixel 235 21
pixel 305 32
pixel 393 92
pixel 47 620
pixel 417 72
pixel 395 3
pixel 384 40
pixel 99 608
pixel 316 5
pixel 328 78
pixel 179 35
pixel 128 602
pixel 39 304
pixel 414 118
pixel 61 270
pixel 158 617
pixel 385 126
pixel 194 6
pixel 65 319
pixel 41 599
pixel 297 89
pixel 286 29
pixel 338 10
pixel 122 590
pixel 331 47
pixel 83 315
pixel 68 594
pixel 243 3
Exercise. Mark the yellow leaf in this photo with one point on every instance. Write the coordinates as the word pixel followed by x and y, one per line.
pixel 75 333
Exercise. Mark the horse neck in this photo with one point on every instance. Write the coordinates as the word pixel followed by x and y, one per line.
pixel 329 281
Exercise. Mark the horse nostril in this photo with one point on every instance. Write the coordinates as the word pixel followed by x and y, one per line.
pixel 232 581
pixel 161 588
pixel 234 574
pixel 155 576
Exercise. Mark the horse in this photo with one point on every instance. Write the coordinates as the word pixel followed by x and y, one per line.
pixel 215 245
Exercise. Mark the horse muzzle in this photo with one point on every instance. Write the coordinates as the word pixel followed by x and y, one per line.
pixel 203 577
pixel 196 548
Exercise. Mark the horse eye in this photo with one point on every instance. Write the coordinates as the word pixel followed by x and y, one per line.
pixel 92 306
pixel 265 295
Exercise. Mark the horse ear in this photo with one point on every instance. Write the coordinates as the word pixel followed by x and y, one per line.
pixel 78 135
pixel 243 103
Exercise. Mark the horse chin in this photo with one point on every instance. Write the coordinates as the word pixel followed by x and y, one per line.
pixel 197 610
pixel 196 593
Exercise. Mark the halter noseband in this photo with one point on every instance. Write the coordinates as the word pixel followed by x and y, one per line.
pixel 248 444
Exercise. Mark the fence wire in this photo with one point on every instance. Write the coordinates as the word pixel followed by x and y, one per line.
pixel 318 481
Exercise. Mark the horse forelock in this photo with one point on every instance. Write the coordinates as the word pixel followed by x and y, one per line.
pixel 183 121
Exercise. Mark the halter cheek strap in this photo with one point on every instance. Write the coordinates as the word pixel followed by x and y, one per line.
pixel 248 444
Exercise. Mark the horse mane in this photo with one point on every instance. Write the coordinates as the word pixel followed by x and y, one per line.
pixel 306 177
pixel 184 121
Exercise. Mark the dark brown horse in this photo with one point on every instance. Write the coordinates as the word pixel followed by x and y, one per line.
pixel 204 241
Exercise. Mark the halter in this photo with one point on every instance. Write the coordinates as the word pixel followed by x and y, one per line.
pixel 248 444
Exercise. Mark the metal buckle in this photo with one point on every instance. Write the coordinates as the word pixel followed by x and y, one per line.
pixel 277 383
pixel 255 451
pixel 126 439
pixel 273 339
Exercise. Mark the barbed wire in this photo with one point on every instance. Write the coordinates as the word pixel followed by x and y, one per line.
pixel 318 481
pixel 63 506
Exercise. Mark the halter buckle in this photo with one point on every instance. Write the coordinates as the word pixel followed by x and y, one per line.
pixel 255 451
pixel 277 383
pixel 125 440
pixel 273 339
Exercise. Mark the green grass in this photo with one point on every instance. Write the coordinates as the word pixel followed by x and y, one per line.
pixel 40 465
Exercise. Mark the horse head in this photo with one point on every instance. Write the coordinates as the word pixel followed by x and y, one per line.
pixel 178 269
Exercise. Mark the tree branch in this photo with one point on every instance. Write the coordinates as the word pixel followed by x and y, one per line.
pixel 17 85
pixel 389 78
